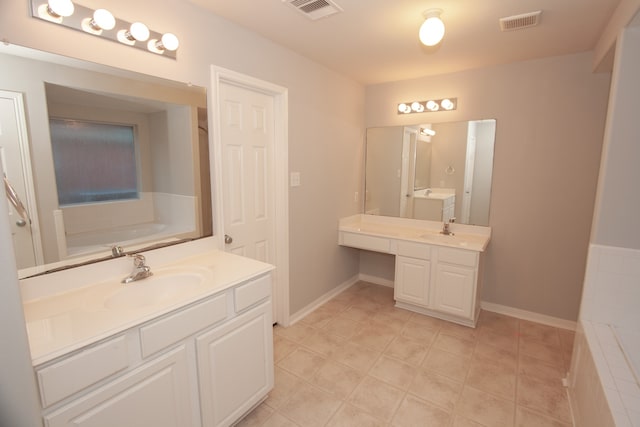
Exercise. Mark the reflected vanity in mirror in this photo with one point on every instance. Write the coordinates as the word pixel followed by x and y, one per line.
pixel 431 171
pixel 105 161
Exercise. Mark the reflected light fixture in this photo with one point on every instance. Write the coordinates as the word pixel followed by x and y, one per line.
pixel 427 132
pixel 432 105
pixel 102 23
pixel 432 29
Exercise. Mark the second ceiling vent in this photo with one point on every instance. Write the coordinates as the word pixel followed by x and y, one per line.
pixel 519 22
pixel 314 9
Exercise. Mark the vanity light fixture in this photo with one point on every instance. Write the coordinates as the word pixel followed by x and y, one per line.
pixel 102 23
pixel 432 29
pixel 432 105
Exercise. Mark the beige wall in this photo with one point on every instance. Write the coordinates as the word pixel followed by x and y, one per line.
pixel 550 122
pixel 326 113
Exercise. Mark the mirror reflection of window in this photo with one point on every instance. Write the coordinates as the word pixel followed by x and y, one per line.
pixel 94 162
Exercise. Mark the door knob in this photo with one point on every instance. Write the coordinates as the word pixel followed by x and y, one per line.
pixel 21 223
pixel 228 239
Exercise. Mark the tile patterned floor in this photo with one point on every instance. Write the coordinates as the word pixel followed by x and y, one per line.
pixel 359 361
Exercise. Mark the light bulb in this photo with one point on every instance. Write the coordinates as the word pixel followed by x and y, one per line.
pixel 60 8
pixel 417 107
pixel 103 20
pixel 169 41
pixel 433 106
pixel 404 108
pixel 138 31
pixel 446 104
pixel 432 29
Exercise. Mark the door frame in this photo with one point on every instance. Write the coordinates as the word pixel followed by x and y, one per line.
pixel 280 174
pixel 29 198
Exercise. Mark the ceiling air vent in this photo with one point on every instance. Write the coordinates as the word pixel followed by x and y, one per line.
pixel 518 22
pixel 314 9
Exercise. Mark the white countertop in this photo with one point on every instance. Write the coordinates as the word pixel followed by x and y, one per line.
pixel 469 237
pixel 66 321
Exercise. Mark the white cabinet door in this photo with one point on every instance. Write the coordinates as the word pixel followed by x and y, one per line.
pixel 412 280
pixel 453 290
pixel 156 394
pixel 235 366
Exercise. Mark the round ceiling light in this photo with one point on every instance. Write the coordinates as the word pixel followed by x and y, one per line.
pixel 432 29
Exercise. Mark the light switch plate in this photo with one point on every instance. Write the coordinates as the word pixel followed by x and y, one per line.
pixel 294 179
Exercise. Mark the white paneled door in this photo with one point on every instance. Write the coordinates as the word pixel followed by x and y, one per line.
pixel 247 136
pixel 16 169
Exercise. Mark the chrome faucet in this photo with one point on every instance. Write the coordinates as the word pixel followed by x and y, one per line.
pixel 446 230
pixel 140 270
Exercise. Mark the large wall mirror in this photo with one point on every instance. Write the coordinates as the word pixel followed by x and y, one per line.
pixel 431 171
pixel 95 160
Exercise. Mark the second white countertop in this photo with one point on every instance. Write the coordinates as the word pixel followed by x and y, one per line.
pixel 469 237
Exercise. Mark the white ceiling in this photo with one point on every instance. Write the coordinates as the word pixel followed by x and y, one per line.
pixel 375 41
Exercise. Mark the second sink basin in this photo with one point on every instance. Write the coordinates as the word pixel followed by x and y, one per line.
pixel 164 286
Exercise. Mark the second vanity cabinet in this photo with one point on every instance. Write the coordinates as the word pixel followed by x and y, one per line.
pixel 205 364
pixel 437 281
pixel 436 275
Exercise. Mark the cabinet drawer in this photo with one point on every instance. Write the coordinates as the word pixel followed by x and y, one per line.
pixel 253 292
pixel 75 373
pixel 372 243
pixel 172 329
pixel 414 250
pixel 458 256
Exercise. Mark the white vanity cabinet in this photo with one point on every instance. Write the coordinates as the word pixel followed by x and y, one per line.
pixel 205 364
pixel 155 394
pixel 235 360
pixel 435 274
pixel 454 290
pixel 447 288
pixel 412 273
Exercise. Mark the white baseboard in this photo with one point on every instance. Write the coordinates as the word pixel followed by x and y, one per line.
pixel 375 280
pixel 529 315
pixel 324 298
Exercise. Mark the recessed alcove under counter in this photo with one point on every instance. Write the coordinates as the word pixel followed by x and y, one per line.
pixel 169 344
pixel 435 274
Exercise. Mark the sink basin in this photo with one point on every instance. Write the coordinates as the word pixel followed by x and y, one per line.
pixel 448 239
pixel 162 287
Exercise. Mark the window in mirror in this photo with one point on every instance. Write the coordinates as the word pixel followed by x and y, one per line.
pixel 94 162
